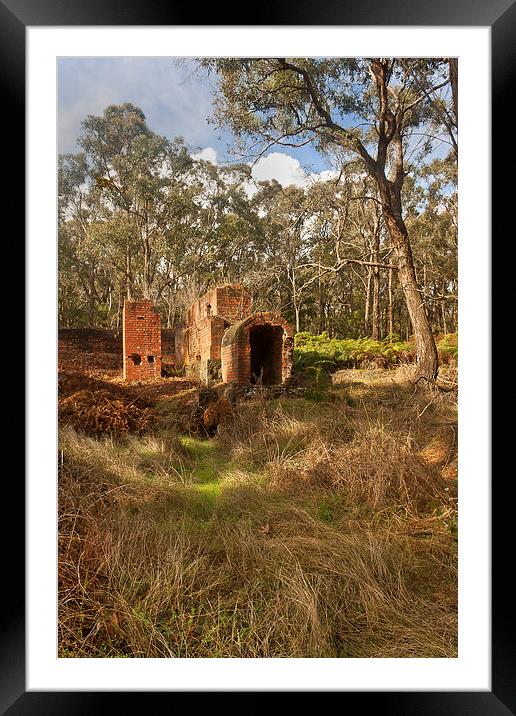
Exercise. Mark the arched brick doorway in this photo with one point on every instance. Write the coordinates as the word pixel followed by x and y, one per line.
pixel 257 350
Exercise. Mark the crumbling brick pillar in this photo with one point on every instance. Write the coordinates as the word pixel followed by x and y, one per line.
pixel 141 341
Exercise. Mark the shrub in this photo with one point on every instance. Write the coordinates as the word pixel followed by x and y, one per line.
pixel 320 353
pixel 331 354
pixel 447 345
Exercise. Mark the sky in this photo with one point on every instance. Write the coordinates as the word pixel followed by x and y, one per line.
pixel 176 99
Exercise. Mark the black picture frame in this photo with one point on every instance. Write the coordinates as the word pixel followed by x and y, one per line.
pixel 500 16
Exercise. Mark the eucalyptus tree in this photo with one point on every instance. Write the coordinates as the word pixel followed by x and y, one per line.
pixel 286 216
pixel 225 230
pixel 212 234
pixel 136 210
pixel 348 214
pixel 79 253
pixel 137 171
pixel 368 108
pixel 434 229
pixel 437 79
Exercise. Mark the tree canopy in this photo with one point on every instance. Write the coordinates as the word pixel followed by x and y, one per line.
pixel 140 216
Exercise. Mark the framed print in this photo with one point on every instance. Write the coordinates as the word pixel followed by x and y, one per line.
pixel 420 666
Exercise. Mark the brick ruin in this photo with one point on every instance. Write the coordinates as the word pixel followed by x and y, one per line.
pixel 221 339
pixel 141 341
pixel 198 341
pixel 257 349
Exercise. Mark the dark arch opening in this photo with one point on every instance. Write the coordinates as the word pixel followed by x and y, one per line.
pixel 266 353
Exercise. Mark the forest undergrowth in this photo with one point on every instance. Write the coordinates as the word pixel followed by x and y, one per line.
pixel 321 525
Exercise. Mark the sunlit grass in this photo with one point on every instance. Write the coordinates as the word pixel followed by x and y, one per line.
pixel 301 529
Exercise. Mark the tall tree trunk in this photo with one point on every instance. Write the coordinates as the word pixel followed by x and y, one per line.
pixel 390 131
pixel 120 310
pixel 368 299
pixel 453 64
pixel 128 272
pixel 295 303
pixel 296 311
pixel 169 308
pixel 443 308
pixel 110 306
pixel 91 298
pixel 375 333
pixel 426 351
pixel 146 268
pixel 321 297
pixel 390 313
pixel 321 309
pixel 376 288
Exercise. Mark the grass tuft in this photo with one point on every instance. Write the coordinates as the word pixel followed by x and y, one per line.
pixel 302 529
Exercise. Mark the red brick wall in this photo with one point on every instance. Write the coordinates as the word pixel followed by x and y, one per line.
pixel 236 359
pixel 198 337
pixel 236 348
pixel 217 328
pixel 180 344
pixel 207 319
pixel 231 302
pixel 141 341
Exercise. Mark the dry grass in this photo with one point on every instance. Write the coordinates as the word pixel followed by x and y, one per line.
pixel 300 530
pixel 141 575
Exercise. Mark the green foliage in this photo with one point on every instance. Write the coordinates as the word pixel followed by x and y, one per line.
pixel 139 215
pixel 323 354
pixel 448 344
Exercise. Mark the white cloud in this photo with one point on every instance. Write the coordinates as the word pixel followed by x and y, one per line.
pixel 282 167
pixel 208 155
pixel 325 175
pixel 287 171
pixel 277 165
